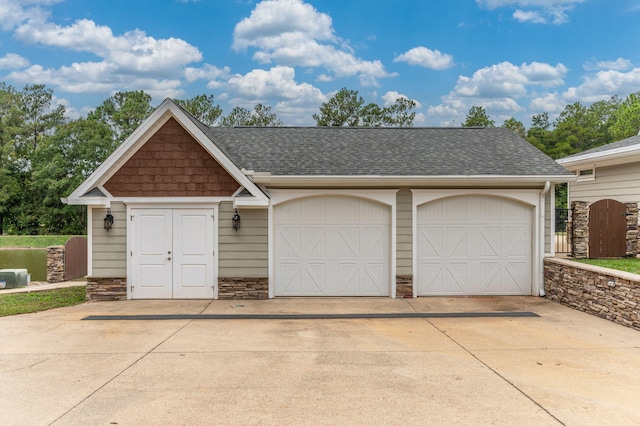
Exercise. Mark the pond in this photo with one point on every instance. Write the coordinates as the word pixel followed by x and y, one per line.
pixel 33 260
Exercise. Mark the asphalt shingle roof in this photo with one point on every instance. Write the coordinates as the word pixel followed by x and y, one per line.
pixel 379 151
pixel 633 140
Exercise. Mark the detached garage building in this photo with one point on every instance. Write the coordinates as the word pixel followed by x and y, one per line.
pixel 323 211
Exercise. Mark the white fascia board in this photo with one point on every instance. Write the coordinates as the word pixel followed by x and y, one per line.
pixel 88 201
pixel 249 202
pixel 159 117
pixel 611 156
pixel 375 180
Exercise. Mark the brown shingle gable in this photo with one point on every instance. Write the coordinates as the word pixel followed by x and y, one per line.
pixel 171 164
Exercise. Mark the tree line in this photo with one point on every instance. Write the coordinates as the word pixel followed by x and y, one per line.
pixel 577 128
pixel 44 155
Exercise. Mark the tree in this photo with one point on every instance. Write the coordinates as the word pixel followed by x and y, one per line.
pixel 539 134
pixel 399 114
pixel 10 125
pixel 477 117
pixel 261 116
pixel 343 109
pixel 64 160
pixel 516 126
pixel 347 108
pixel 40 117
pixel 579 128
pixel 202 107
pixel 625 121
pixel 123 112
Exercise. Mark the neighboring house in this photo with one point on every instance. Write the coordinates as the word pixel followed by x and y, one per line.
pixel 609 171
pixel 324 211
pixel 604 199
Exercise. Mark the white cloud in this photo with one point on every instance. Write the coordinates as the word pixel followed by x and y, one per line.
pixel 494 4
pixel 278 83
pixel 603 85
pixel 130 61
pixel 15 12
pixel 294 33
pixel 427 58
pixel 497 88
pixel 133 51
pixel 529 16
pixel 391 96
pixel 548 102
pixel 216 76
pixel 508 80
pixel 13 61
pixel 538 11
pixel 620 64
pixel 97 77
pixel 293 102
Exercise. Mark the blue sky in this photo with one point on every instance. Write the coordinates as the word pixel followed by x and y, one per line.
pixel 516 58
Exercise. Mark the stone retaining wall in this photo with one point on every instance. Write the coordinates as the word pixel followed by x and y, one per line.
pixel 607 293
pixel 55 264
pixel 243 288
pixel 106 289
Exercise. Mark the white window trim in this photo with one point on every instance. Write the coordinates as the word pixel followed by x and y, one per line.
pixel 587 177
pixel 384 196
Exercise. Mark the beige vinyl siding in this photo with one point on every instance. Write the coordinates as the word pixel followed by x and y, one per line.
pixel 404 233
pixel 243 253
pixel 620 183
pixel 109 248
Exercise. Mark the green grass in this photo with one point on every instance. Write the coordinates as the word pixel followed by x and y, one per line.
pixel 24 303
pixel 40 241
pixel 625 264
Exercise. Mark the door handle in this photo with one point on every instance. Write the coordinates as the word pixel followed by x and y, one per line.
pixel 169 258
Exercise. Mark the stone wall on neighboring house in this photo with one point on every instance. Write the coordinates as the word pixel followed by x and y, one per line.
pixel 578 229
pixel 607 293
pixel 632 229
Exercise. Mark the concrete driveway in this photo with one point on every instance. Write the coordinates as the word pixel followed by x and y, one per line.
pixel 563 367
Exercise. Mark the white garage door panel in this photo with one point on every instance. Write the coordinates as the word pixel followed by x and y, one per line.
pixel 474 245
pixel 332 246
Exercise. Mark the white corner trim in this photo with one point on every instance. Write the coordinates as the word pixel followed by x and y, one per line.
pixel 90 241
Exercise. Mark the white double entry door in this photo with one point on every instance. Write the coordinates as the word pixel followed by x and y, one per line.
pixel 172 253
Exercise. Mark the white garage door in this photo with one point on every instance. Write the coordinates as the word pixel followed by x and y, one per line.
pixel 332 246
pixel 474 245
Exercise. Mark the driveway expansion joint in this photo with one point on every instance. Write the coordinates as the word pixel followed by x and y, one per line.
pixel 402 315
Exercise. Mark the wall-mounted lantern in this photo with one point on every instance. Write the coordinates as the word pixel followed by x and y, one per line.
pixel 236 221
pixel 108 220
